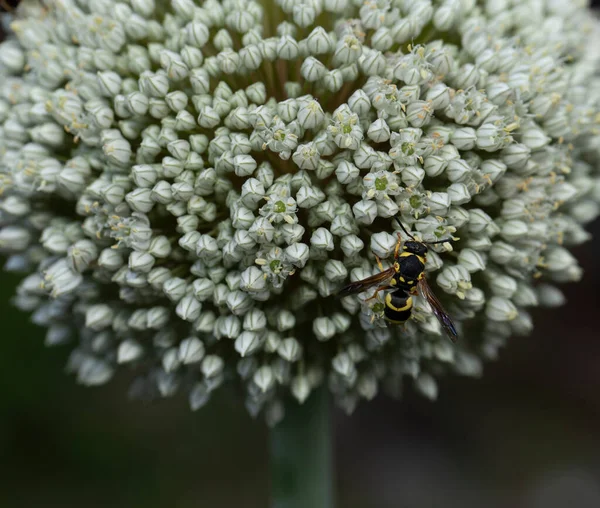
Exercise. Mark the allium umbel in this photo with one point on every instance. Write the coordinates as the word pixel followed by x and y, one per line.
pixel 189 184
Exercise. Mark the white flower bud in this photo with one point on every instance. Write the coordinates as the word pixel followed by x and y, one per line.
pixel 335 270
pixel 174 288
pixel 228 60
pixel 310 115
pixel 208 118
pixel 154 85
pixel 378 132
pixel 306 157
pixel 14 238
pixel 287 48
pixel 322 239
pixel 308 197
pixel 158 108
pixel 346 172
pixel 199 396
pixel 550 296
pixel 427 386
pixel 359 102
pixel 117 151
pixel 197 34
pixel 478 221
pixel 188 308
pixel 383 244
pixel 244 165
pixel 129 351
pixel 157 277
pixel 98 317
pixel 515 156
pixel 264 378
pixel 177 100
pixel 464 138
pixel 252 280
pixel 298 253
pixel 438 96
pixel 319 42
pixel 525 296
pixel 498 93
pixel 81 254
pixel 468 75
pixel 418 113
pixel 257 93
pixel 312 69
pixel 333 80
pixel 365 211
pixel 534 137
pixel 110 259
pixel 170 360
pixel 455 280
pixel 412 176
pixel 238 302
pixel 192 57
pixel 458 170
pixel 228 326
pixel 140 200
pixel 514 229
pixel 500 309
pixel 212 366
pixel 343 365
pixel 49 134
pixel 300 388
pixel 289 349
pixel 191 350
pixel 503 285
pixel 472 260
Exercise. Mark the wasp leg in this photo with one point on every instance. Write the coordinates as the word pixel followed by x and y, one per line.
pixel 382 288
pixel 381 268
pixel 397 249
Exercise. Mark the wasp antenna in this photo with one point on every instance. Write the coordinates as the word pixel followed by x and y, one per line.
pixel 404 229
pixel 438 241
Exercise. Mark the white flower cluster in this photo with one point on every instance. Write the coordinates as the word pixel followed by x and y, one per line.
pixel 188 184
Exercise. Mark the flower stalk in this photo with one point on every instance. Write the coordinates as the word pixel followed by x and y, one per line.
pixel 301 455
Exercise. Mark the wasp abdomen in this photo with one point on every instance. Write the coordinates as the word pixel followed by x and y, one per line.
pixel 398 306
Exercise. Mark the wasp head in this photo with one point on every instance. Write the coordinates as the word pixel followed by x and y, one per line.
pixel 417 248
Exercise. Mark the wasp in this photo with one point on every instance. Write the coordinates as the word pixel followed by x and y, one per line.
pixel 406 277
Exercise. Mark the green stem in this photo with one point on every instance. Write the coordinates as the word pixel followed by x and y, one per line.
pixel 301 455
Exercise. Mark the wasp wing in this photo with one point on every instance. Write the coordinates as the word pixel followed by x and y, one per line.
pixel 438 310
pixel 379 279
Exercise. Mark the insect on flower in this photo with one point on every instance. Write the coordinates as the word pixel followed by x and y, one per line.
pixel 406 277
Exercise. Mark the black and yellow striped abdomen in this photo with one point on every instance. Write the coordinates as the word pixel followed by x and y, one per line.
pixel 398 306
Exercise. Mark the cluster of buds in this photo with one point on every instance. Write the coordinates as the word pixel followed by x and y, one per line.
pixel 188 184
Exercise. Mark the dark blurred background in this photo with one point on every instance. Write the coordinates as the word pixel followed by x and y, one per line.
pixel 526 435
